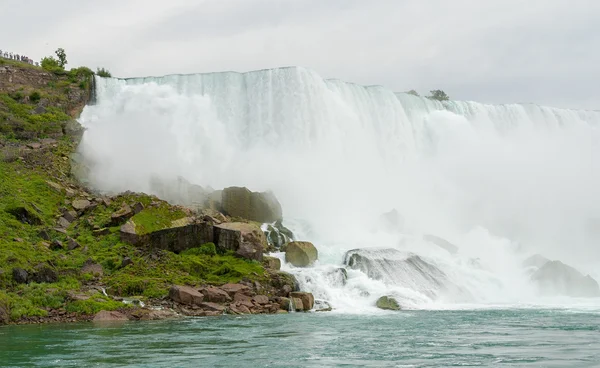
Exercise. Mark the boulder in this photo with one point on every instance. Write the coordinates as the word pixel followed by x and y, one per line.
pixel 122 215
pixel 138 207
pixel 284 303
pixel 70 215
pixel 297 304
pixel 255 206
pixel 94 268
pixel 442 243
pixel 283 283
pixel 214 307
pixel 56 245
pixel 261 299
pixel 109 316
pixel 215 295
pixel 301 253
pixel 237 308
pixel 388 303
pixel 81 205
pixel 20 276
pixel 273 263
pixel 557 278
pixel 278 235
pixel 247 240
pixel 185 295
pixel 72 244
pixel 308 300
pixel 233 289
pixel 338 276
pixel 63 223
pixel 44 273
pixel 101 232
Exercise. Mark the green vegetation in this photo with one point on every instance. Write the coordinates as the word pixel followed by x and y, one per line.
pixel 413 92
pixel 438 95
pixel 62 57
pixel 156 218
pixel 104 73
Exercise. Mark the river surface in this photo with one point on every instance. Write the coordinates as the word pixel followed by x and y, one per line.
pixel 513 337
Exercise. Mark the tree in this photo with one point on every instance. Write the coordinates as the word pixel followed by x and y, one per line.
pixel 438 95
pixel 413 92
pixel 104 73
pixel 62 57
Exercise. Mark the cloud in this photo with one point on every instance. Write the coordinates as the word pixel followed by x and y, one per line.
pixel 496 51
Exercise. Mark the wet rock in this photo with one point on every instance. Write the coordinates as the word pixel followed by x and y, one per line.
pixel 44 274
pixel 110 316
pixel 322 306
pixel 93 268
pixel 297 304
pixel 308 300
pixel 283 283
pixel 442 243
pixel 273 263
pixel 215 295
pixel 301 253
pixel 284 303
pixel 239 309
pixel 241 202
pixel 126 262
pixel 557 278
pixel 185 295
pixel 81 204
pixel 20 276
pixel 388 303
pixel 338 277
pixel 213 307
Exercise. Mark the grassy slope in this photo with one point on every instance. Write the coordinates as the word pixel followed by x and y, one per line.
pixel 30 183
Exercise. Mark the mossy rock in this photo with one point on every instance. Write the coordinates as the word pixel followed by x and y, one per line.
pixel 255 206
pixel 388 303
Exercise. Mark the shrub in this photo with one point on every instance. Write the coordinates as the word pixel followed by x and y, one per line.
pixel 438 95
pixel 413 92
pixel 104 73
pixel 35 97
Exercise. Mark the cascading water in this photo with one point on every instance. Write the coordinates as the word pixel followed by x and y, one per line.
pixel 500 183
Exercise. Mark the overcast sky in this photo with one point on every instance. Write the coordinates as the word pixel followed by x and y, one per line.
pixel 497 51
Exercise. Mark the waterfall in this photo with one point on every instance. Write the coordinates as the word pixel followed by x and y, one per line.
pixel 501 182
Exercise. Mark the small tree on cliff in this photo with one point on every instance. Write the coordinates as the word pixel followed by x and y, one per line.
pixel 62 57
pixel 413 92
pixel 104 73
pixel 438 95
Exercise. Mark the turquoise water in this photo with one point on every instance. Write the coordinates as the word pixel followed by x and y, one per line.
pixel 541 338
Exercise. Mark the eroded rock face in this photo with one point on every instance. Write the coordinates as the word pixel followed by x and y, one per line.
pixel 301 253
pixel 557 278
pixel 388 302
pixel 255 206
pixel 246 240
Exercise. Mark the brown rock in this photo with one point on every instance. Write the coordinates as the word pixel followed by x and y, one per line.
pixel 56 245
pixel 241 202
pixel 301 253
pixel 70 215
pixel 284 303
pixel 213 307
pixel 110 316
pixel 242 298
pixel 34 145
pixel 233 289
pixel 232 235
pixel 215 295
pixel 297 304
pixel 261 299
pixel 55 186
pixel 185 295
pixel 308 300
pixel 238 308
pixel 126 262
pixel 101 232
pixel 128 234
pixel 44 234
pixel 81 204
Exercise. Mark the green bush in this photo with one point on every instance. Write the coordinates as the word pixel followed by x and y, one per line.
pixel 208 249
pixel 438 95
pixel 104 73
pixel 35 97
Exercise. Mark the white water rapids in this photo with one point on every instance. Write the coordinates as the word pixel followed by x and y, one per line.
pixel 500 182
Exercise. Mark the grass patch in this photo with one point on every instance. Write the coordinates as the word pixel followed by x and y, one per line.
pixel 156 218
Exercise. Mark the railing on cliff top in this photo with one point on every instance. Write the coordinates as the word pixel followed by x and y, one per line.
pixel 17 57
